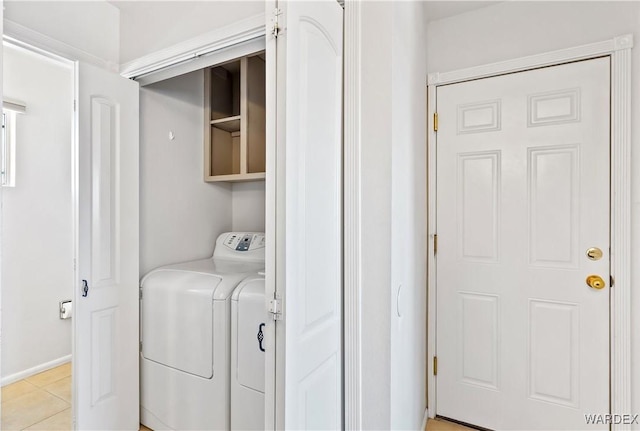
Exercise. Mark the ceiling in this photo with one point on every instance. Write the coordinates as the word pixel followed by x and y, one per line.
pixel 125 5
pixel 436 10
pixel 119 4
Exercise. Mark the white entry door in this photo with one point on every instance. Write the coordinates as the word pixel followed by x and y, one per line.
pixel 105 345
pixel 522 221
pixel 304 180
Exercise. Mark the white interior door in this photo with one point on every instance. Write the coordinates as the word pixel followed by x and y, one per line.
pixel 105 345
pixel 304 180
pixel 522 195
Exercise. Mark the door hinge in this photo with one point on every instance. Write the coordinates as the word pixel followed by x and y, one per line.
pixel 275 307
pixel 611 281
pixel 140 293
pixel 435 365
pixel 435 121
pixel 141 346
pixel 74 106
pixel 435 244
pixel 275 28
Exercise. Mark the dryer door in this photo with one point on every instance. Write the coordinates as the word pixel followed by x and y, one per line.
pixel 177 320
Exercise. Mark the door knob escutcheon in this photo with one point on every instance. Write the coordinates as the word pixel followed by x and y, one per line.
pixel 595 282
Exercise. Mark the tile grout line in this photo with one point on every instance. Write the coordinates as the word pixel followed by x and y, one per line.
pixel 50 383
pixel 35 388
pixel 47 418
pixel 27 379
pixel 36 423
pixel 45 391
pixel 57 396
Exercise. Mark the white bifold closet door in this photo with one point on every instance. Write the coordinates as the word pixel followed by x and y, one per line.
pixel 304 182
pixel 105 345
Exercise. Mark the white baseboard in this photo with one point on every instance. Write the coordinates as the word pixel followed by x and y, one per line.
pixel 12 378
pixel 424 420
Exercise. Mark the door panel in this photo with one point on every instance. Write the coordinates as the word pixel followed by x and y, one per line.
pixel 522 193
pixel 553 213
pixel 309 198
pixel 106 341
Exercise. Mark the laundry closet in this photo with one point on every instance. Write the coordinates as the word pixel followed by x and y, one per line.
pixel 202 246
pixel 193 185
pixel 206 186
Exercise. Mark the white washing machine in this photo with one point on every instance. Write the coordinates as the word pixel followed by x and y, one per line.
pixel 248 319
pixel 185 335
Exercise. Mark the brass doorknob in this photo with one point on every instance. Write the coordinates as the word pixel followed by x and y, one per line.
pixel 594 253
pixel 595 282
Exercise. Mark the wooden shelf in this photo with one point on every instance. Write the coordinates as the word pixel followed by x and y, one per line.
pixel 229 124
pixel 236 177
pixel 234 113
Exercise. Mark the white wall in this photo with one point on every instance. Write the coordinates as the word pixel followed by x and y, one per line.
pixel 248 206
pixel 167 23
pixel 408 216
pixel 37 241
pixel 513 29
pixel 180 215
pixel 90 28
pixel 376 136
pixel 393 163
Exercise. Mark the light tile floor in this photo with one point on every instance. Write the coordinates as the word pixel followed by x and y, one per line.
pixel 443 425
pixel 43 402
pixel 40 402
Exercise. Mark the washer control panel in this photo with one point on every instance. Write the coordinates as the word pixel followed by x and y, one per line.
pixel 241 245
pixel 244 241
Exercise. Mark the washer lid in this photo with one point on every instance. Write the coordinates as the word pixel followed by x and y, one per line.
pixel 177 320
pixel 250 318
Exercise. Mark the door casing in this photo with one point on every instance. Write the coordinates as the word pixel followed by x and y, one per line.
pixel 619 50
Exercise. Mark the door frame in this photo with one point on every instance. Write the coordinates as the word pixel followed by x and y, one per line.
pixel 619 51
pixel 351 218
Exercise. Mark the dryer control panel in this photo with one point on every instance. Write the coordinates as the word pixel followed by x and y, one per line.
pixel 240 245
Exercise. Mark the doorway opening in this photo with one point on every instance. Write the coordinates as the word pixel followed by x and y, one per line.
pixel 37 240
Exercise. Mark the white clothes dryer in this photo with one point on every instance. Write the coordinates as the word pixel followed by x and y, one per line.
pixel 185 335
pixel 248 320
